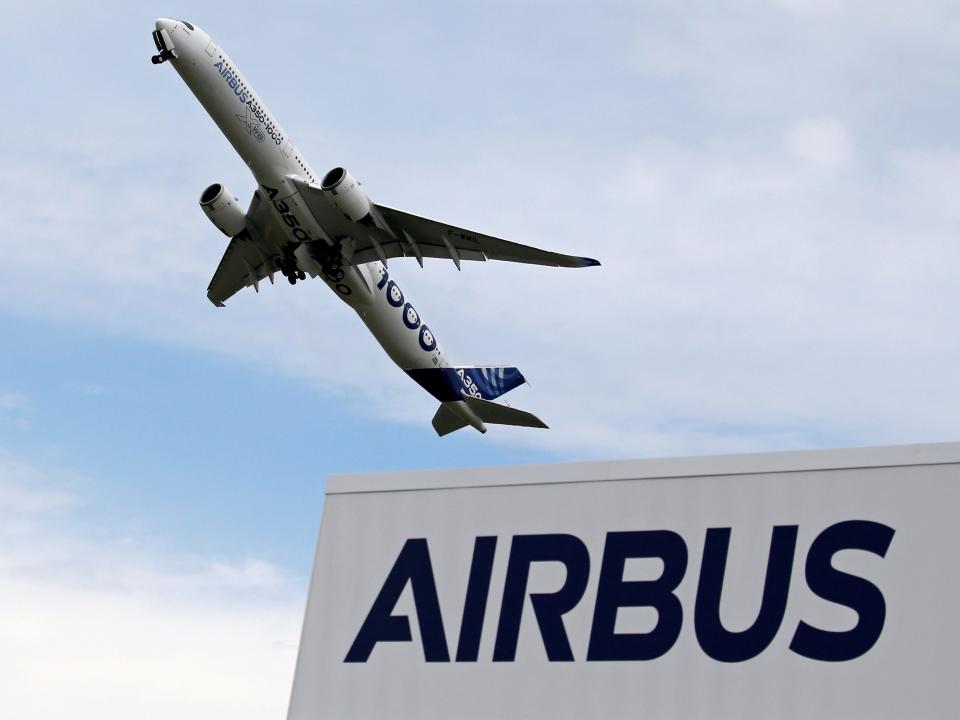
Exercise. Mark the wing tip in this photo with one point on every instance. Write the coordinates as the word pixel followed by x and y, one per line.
pixel 587 262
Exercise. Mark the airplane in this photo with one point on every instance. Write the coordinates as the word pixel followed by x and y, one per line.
pixel 299 223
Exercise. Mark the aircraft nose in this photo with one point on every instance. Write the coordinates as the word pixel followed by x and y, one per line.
pixel 164 24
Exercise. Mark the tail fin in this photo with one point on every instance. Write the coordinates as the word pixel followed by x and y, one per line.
pixel 457 414
pixel 452 383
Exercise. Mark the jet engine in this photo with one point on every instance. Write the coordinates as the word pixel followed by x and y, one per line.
pixel 343 190
pixel 223 209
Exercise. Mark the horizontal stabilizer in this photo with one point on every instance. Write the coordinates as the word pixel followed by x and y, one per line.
pixel 497 414
pixel 454 415
pixel 447 420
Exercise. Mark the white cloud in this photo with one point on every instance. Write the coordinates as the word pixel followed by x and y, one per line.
pixel 747 303
pixel 98 628
pixel 20 499
pixel 817 7
pixel 14 410
pixel 25 490
pixel 821 141
pixel 85 388
pixel 747 300
pixel 12 401
pixel 251 573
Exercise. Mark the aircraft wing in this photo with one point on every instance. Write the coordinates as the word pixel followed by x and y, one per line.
pixel 249 256
pixel 440 240
pixel 393 233
pixel 396 233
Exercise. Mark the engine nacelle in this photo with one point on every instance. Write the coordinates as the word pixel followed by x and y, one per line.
pixel 223 209
pixel 344 192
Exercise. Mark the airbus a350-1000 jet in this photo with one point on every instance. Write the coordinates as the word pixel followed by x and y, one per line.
pixel 300 224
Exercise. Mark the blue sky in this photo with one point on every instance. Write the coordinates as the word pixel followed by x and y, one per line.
pixel 771 187
pixel 201 453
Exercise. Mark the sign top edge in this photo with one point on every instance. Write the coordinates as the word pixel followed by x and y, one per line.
pixel 646 469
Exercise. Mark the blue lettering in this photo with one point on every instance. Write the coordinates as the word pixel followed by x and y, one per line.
pixel 394 294
pixel 718 642
pixel 614 593
pixel 410 317
pixel 234 82
pixel 427 341
pixel 549 608
pixel 861 596
pixel 475 604
pixel 412 566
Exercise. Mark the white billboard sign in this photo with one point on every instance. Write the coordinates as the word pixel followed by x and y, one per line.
pixel 806 584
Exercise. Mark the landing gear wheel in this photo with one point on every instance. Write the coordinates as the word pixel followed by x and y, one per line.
pixel 292 279
pixel 301 275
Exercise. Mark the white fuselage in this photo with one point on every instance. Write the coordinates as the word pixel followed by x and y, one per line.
pixel 273 159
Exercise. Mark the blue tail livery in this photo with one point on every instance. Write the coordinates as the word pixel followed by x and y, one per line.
pixel 454 383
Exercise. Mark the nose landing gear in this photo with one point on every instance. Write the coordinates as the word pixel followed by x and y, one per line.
pixel 165 52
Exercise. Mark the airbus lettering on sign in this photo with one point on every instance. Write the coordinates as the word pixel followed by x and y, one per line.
pixel 413 567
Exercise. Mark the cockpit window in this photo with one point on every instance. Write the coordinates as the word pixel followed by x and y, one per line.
pixel 188 25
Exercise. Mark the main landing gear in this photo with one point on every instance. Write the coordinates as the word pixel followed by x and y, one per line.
pixel 287 264
pixel 330 260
